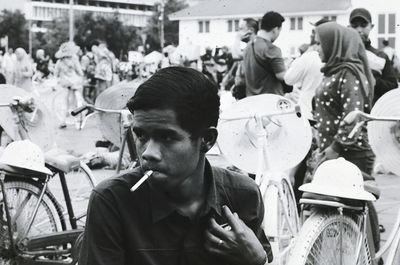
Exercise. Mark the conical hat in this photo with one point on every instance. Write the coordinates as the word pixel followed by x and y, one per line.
pixel 289 137
pixel 115 97
pixel 384 136
pixel 40 124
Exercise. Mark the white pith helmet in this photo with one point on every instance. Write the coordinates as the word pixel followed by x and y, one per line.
pixel 26 155
pixel 338 178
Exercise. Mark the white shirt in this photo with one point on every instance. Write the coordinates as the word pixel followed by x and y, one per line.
pixel 304 74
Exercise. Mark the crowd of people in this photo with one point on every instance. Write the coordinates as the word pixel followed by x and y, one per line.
pixel 180 215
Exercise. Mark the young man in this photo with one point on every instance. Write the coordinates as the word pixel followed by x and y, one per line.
pixel 382 69
pixel 264 67
pixel 178 215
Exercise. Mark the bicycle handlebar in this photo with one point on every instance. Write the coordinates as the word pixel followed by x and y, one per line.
pixel 92 107
pixel 352 116
pixel 27 104
pixel 296 110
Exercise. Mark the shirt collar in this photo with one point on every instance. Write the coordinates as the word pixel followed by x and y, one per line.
pixel 263 34
pixel 161 208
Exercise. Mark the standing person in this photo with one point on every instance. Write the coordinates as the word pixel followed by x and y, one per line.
pixel 8 65
pixel 69 75
pixel 104 69
pixel 264 67
pixel 23 70
pixel 177 216
pixel 382 69
pixel 42 63
pixel 347 86
pixel 304 74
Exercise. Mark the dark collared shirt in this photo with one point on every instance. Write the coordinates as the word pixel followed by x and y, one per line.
pixel 143 228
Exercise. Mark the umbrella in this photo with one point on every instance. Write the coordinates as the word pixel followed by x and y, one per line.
pixel 153 57
pixel 115 97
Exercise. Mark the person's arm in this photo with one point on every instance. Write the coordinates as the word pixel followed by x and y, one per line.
pixel 103 237
pixel 277 63
pixel 295 72
pixel 387 81
pixel 352 99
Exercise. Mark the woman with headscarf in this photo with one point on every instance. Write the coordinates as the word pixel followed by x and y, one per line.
pixel 69 75
pixel 23 70
pixel 347 85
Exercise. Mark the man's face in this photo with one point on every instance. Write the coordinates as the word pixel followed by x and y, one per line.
pixel 362 26
pixel 277 32
pixel 244 32
pixel 164 147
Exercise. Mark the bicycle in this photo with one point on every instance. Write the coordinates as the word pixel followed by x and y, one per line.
pixel 343 223
pixel 59 105
pixel 33 228
pixel 125 119
pixel 281 221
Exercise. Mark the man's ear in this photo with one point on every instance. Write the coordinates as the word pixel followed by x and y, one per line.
pixel 208 139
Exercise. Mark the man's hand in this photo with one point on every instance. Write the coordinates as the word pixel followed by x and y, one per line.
pixel 238 244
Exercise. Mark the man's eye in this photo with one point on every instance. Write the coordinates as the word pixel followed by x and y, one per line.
pixel 140 136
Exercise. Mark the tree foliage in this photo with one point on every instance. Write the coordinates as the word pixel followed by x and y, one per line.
pixel 171 28
pixel 14 25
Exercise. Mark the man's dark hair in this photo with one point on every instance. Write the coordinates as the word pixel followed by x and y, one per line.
pixel 188 92
pixel 271 20
pixel 252 23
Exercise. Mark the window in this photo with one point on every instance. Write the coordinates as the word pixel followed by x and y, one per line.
pixel 207 29
pixel 386 29
pixel 392 23
pixel 381 24
pixel 204 26
pixel 333 18
pixel 292 23
pixel 200 26
pixel 236 25
pixel 230 26
pixel 300 23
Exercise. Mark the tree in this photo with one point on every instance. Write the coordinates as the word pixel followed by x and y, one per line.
pixel 14 25
pixel 171 28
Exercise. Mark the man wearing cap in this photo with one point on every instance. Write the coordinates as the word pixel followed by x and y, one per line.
pixel 264 67
pixel 382 69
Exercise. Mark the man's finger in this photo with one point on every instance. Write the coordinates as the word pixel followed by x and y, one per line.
pixel 232 219
pixel 218 230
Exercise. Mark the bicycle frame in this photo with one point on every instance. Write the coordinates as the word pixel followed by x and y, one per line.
pixel 269 181
pixel 27 247
pixel 127 134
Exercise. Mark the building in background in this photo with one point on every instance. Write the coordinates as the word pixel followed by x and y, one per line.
pixel 131 12
pixel 217 26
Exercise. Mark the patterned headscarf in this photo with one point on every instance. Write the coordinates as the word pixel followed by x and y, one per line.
pixel 343 49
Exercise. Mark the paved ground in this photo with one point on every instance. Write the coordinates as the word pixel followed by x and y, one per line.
pixel 83 141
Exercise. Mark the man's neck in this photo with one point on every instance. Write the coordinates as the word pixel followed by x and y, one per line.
pixel 264 34
pixel 191 194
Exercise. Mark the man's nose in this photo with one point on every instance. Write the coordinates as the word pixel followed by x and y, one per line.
pixel 359 29
pixel 152 151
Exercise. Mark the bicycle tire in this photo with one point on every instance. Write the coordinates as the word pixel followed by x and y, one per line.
pixel 48 218
pixel 318 241
pixel 80 182
pixel 280 230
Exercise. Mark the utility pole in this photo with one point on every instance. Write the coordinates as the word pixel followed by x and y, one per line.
pixel 71 20
pixel 161 18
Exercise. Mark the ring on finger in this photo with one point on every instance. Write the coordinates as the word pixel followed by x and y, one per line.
pixel 220 242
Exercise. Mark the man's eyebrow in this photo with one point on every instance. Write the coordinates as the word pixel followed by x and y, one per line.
pixel 156 130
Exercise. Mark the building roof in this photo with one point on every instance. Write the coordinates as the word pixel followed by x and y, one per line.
pixel 257 8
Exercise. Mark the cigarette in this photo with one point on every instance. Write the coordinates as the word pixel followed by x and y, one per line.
pixel 143 179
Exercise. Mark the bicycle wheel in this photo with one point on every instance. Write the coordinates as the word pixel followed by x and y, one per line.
pixel 22 198
pixel 80 182
pixel 281 221
pixel 319 241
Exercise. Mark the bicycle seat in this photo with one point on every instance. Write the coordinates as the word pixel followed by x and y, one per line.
pixel 61 160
